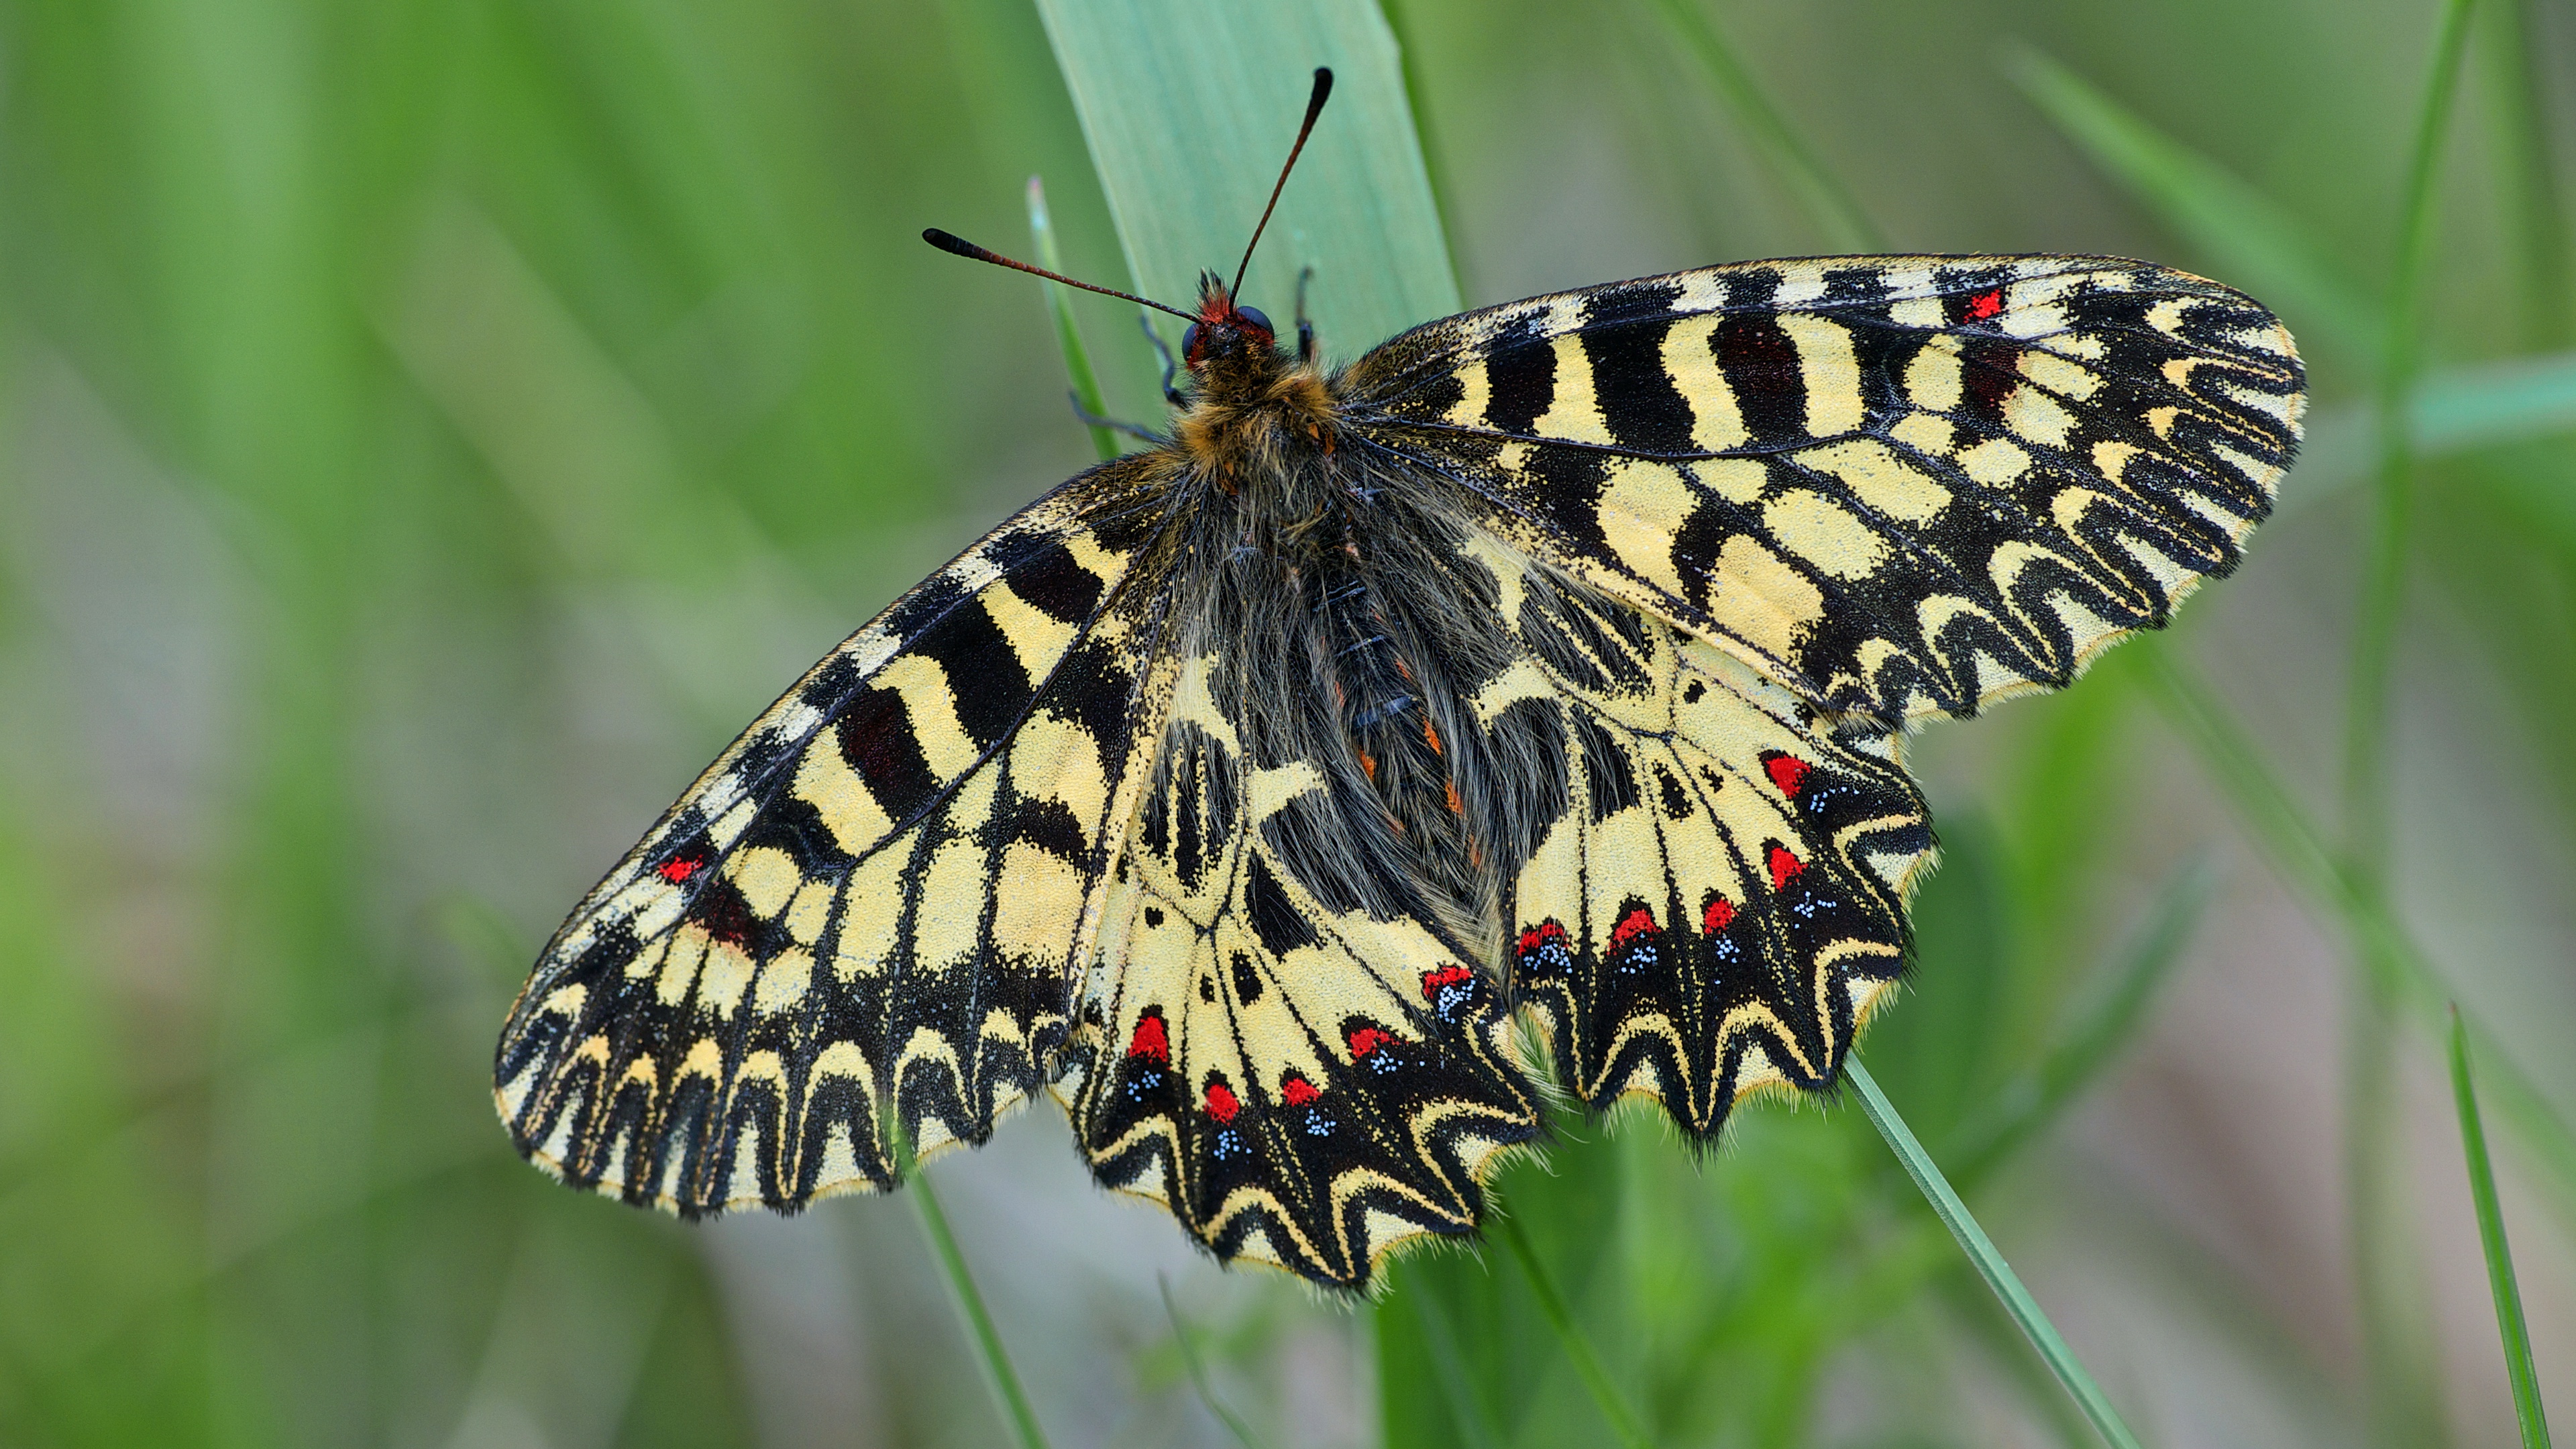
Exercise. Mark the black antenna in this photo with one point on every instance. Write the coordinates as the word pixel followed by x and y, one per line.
pixel 959 246
pixel 1314 108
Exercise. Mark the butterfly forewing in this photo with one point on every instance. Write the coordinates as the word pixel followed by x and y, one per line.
pixel 1901 485
pixel 861 914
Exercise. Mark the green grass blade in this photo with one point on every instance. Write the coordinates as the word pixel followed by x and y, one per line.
pixel 2298 853
pixel 1828 203
pixel 2001 1341
pixel 1988 1260
pixel 2241 231
pixel 2098 1032
pixel 1197 1370
pixel 1077 360
pixel 1578 1350
pixel 2483 404
pixel 996 1360
pixel 2536 214
pixel 2500 1278
pixel 1449 1366
pixel 2084 1051
pixel 2366 796
pixel 2397 1346
pixel 1189 109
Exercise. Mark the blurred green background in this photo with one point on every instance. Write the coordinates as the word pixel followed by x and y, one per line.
pixel 430 428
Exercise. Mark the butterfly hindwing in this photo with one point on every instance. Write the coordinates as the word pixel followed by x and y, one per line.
pixel 1903 485
pixel 1719 899
pixel 861 914
pixel 1301 1080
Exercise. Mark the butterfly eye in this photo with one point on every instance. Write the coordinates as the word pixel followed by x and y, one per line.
pixel 1190 341
pixel 1253 316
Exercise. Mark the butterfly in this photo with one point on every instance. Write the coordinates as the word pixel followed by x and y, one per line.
pixel 1517 709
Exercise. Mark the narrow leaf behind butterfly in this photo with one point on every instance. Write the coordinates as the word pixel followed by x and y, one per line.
pixel 1182 105
pixel 1339 198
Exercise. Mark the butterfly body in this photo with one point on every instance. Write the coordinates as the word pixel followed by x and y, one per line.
pixel 1548 664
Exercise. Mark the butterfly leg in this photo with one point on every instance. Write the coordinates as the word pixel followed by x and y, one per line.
pixel 1171 369
pixel 1090 419
pixel 1305 328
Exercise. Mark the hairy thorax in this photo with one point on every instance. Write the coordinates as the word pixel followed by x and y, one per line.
pixel 1256 418
pixel 1348 624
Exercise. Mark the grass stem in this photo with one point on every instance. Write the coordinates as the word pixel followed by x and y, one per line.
pixel 1587 1365
pixel 2387 1277
pixel 1077 359
pixel 1233 1422
pixel 1828 203
pixel 2298 853
pixel 1449 1367
pixel 2366 792
pixel 1988 1260
pixel 998 1373
pixel 2500 1278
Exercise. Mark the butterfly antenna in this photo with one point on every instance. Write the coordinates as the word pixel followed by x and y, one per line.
pixel 958 246
pixel 1314 108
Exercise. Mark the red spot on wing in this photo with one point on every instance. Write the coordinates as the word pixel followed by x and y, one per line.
pixel 1788 772
pixel 1985 304
pixel 678 871
pixel 1221 1102
pixel 1635 923
pixel 1432 981
pixel 1539 935
pixel 1784 866
pixel 1367 1039
pixel 1298 1091
pixel 1719 915
pixel 1150 1041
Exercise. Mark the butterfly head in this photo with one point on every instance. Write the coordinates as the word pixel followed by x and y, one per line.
pixel 1224 332
pixel 1224 342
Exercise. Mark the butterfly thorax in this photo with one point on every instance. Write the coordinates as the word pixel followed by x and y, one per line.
pixel 1351 625
pixel 1256 409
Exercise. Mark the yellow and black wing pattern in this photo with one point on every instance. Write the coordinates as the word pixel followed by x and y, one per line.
pixel 861 918
pixel 1903 486
pixel 1715 894
pixel 1550 664
pixel 1766 515
pixel 1291 1053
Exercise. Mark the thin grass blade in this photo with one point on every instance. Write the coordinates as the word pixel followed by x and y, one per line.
pixel 2296 848
pixel 2242 232
pixel 2500 1277
pixel 1199 1373
pixel 2093 1041
pixel 1077 360
pixel 1988 1260
pixel 1467 1413
pixel 1197 1369
pixel 2536 218
pixel 2482 404
pixel 995 1359
pixel 1578 1350
pixel 2389 1277
pixel 1837 213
